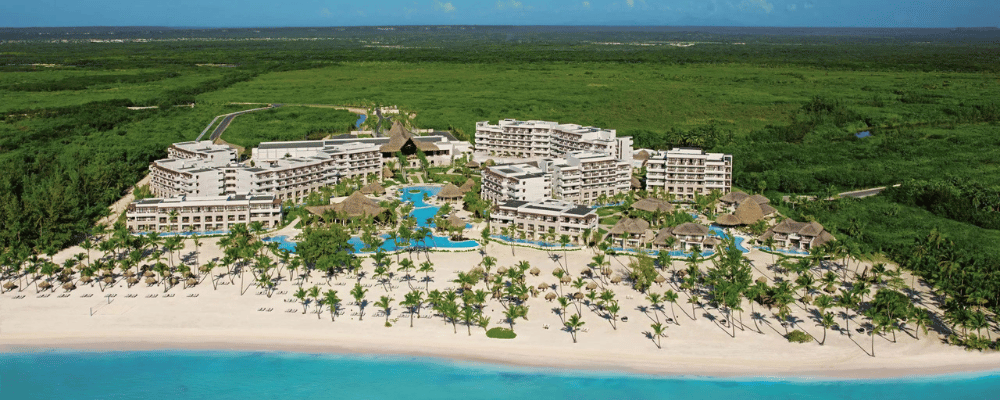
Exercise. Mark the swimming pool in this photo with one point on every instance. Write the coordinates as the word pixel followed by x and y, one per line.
pixel 795 252
pixel 531 242
pixel 718 232
pixel 654 253
pixel 283 242
pixel 204 233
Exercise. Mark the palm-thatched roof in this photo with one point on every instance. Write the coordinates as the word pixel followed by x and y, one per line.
pixel 354 206
pixel 661 237
pixel 472 164
pixel 373 188
pixel 713 241
pixel 749 212
pixel 636 183
pixel 399 136
pixel 450 191
pixel 641 155
pixel 727 220
pixel 734 197
pixel 454 221
pixel 467 186
pixel 690 229
pixel 767 209
pixel 633 226
pixel 760 199
pixel 386 172
pixel 652 204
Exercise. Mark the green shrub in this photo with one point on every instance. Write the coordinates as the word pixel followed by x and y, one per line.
pixel 798 336
pixel 500 333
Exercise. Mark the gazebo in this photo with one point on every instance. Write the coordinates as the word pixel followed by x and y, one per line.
pixel 749 212
pixel 354 206
pixel 653 204
pixel 450 192
pixel 373 188
pixel 467 186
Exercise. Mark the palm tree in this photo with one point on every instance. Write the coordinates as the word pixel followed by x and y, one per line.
pixel 563 241
pixel 573 325
pixel 331 300
pixel 671 297
pixel 314 294
pixel 693 300
pixel 655 299
pixel 921 318
pixel 426 267
pixel 359 295
pixel 413 301
pixel 385 303
pixel 658 331
pixel 196 240
pixel 827 321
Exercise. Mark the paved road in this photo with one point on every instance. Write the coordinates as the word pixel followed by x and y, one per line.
pixel 858 194
pixel 227 119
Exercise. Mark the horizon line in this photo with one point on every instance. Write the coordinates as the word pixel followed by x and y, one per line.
pixel 180 27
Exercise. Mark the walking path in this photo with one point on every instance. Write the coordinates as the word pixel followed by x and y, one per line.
pixel 227 119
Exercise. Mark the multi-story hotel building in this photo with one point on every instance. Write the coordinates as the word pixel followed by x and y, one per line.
pixel 288 178
pixel 538 218
pixel 202 214
pixel 583 176
pixel 686 171
pixel 542 139
pixel 520 182
pixel 217 154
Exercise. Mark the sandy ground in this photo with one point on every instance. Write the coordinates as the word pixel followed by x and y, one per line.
pixel 224 319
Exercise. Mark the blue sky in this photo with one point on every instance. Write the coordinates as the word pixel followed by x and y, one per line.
pixel 260 13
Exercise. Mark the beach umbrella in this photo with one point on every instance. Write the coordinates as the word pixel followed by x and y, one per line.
pixel 541 286
pixel 150 281
pixel 44 285
pixel 535 271
pixel 616 279
pixel 606 271
pixel 9 285
pixel 64 278
pixel 806 299
pixel 565 279
pixel 149 274
pixel 588 273
pixel 69 286
pixel 129 274
pixel 502 270
pixel 762 280
pixel 192 282
pixel 551 296
pixel 660 279
pixel 174 280
pixel 591 286
pixel 109 280
pixel 86 279
pixel 579 296
pixel 467 286
pixel 133 280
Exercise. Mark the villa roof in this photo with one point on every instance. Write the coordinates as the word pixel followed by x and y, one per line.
pixel 386 172
pixel 822 239
pixel 373 188
pixel 727 220
pixel 399 136
pixel 690 229
pixel 636 183
pixel 734 197
pixel 633 226
pixel 467 186
pixel 641 155
pixel 652 204
pixel 450 191
pixel 472 164
pixel 712 241
pixel 760 199
pixel 354 206
pixel 454 221
pixel 801 228
pixel 749 212
pixel 661 236
pixel 767 209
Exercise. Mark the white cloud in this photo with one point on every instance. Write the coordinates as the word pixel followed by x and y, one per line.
pixel 631 3
pixel 446 7
pixel 325 12
pixel 756 5
pixel 509 4
pixel 586 4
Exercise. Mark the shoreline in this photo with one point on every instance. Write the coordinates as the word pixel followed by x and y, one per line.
pixel 568 365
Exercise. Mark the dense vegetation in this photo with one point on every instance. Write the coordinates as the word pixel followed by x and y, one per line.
pixel 288 123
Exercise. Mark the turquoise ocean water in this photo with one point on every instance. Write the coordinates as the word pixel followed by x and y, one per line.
pixel 59 374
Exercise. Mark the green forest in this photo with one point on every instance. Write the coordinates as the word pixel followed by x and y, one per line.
pixel 788 108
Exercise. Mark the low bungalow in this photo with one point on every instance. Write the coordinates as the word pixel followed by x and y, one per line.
pixel 794 235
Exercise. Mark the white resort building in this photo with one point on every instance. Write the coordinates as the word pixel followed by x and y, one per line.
pixel 584 176
pixel 521 182
pixel 543 139
pixel 217 154
pixel 686 171
pixel 288 178
pixel 202 214
pixel 538 218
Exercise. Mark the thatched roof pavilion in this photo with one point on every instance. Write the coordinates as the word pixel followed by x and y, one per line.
pixel 727 220
pixel 749 212
pixel 652 204
pixel 355 206
pixel 636 183
pixel 373 188
pixel 454 221
pixel 662 236
pixel 386 172
pixel 467 186
pixel 399 138
pixel 690 229
pixel 450 192
pixel 632 226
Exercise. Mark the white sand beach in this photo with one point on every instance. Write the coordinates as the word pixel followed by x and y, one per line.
pixel 225 320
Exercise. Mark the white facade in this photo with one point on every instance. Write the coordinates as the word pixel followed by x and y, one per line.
pixel 447 150
pixel 202 213
pixel 521 182
pixel 215 154
pixel 686 171
pixel 536 219
pixel 583 176
pixel 288 178
pixel 540 139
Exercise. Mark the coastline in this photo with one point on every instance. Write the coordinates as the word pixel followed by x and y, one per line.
pixel 565 365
